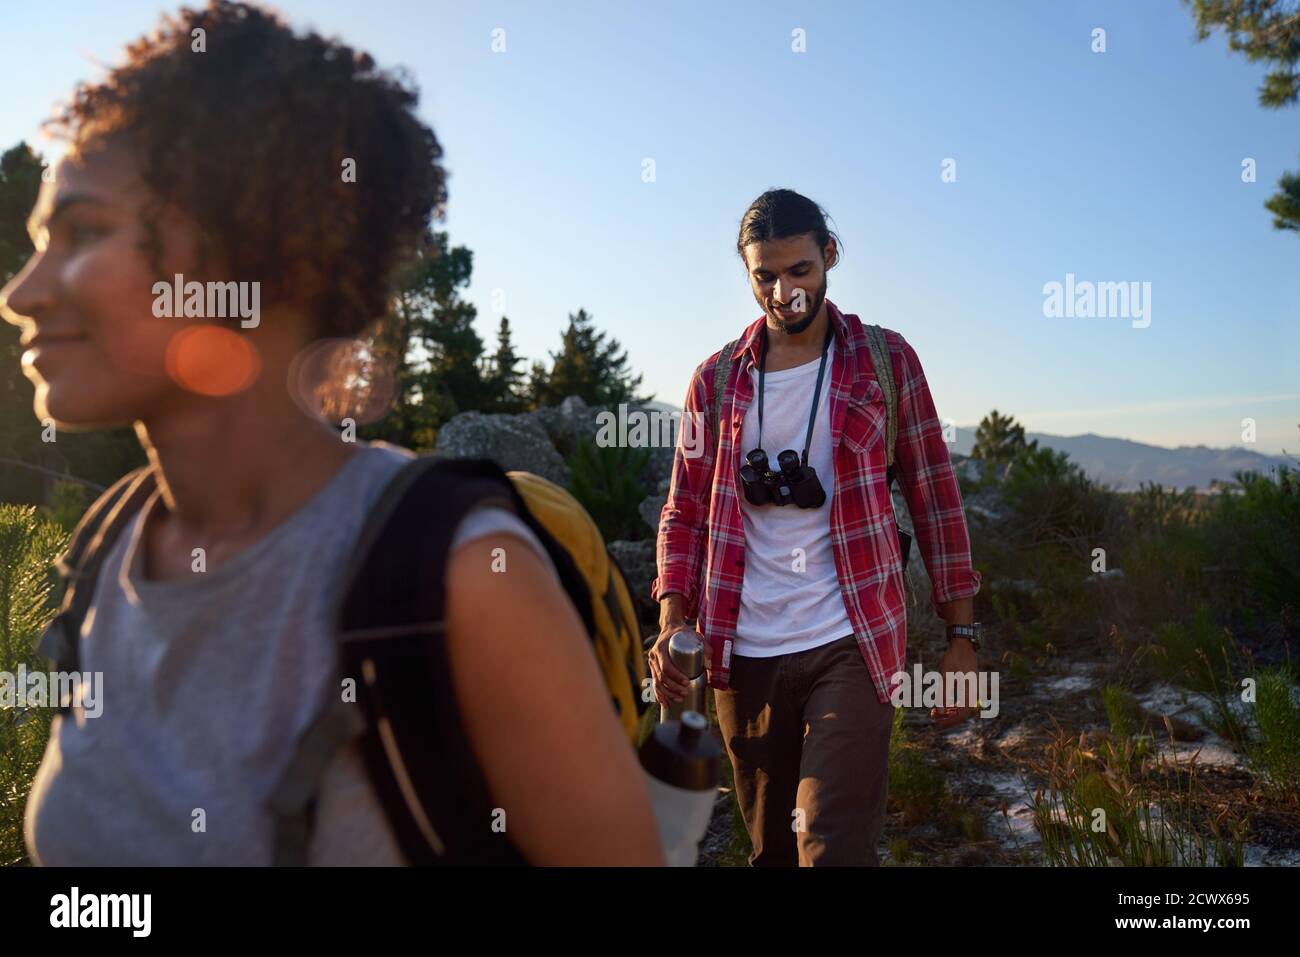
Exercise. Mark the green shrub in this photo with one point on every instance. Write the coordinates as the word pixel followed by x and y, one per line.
pixel 1112 804
pixel 1122 711
pixel 914 786
pixel 1275 755
pixel 1255 532
pixel 899 850
pixel 1165 553
pixel 29 544
pixel 1199 655
pixel 607 481
pixel 1189 651
pixel 1053 501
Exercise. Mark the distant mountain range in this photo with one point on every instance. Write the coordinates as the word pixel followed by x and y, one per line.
pixel 1124 465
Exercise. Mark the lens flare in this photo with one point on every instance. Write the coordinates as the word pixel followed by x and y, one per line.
pixel 212 361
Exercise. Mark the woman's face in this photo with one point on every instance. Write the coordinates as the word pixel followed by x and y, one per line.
pixel 95 350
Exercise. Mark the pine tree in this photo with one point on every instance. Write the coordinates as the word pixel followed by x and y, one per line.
pixel 1268 31
pixel 536 389
pixel 589 366
pixel 1000 439
pixel 505 381
pixel 428 340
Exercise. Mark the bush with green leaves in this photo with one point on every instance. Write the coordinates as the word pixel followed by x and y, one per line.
pixel 607 481
pixel 1275 753
pixel 1255 534
pixel 1183 649
pixel 914 787
pixel 29 544
pixel 1165 553
pixel 1053 501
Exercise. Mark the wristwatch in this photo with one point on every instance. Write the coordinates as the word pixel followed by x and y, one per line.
pixel 974 632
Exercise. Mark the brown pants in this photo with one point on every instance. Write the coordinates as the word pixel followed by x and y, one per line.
pixel 806 732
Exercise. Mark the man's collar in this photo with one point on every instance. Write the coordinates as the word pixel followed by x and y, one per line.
pixel 752 340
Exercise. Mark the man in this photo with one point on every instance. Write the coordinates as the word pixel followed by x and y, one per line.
pixel 799 596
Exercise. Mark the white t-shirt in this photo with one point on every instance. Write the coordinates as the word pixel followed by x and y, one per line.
pixel 790 599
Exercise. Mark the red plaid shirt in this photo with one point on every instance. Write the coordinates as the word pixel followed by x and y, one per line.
pixel 701 547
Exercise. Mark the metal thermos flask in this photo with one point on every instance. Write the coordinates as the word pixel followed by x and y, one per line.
pixel 681 760
pixel 686 652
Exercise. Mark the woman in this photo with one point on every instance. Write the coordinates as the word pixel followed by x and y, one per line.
pixel 228 150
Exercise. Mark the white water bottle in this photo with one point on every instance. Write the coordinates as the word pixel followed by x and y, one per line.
pixel 681 760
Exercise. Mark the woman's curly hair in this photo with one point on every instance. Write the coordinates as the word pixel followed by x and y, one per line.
pixel 246 127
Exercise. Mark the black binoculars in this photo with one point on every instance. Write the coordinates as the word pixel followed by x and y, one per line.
pixel 796 483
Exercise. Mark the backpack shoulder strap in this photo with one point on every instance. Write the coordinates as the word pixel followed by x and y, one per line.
pixel 389 622
pixel 878 346
pixel 79 566
pixel 721 371
pixel 884 369
pixel 390 629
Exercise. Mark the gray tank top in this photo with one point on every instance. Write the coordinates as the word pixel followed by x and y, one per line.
pixel 207 684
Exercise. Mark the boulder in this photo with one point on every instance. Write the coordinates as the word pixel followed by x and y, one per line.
pixel 652 506
pixel 567 424
pixel 637 559
pixel 512 441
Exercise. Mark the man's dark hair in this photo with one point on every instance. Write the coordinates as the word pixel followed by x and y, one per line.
pixel 249 137
pixel 780 213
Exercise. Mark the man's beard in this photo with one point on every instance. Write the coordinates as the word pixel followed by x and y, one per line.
pixel 792 327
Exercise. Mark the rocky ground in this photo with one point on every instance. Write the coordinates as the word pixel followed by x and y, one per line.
pixel 988 773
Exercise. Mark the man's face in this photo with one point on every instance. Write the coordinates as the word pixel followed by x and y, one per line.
pixel 788 277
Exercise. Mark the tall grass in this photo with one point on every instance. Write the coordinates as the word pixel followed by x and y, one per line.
pixel 1111 803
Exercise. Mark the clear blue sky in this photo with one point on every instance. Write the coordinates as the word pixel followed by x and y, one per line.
pixel 1115 167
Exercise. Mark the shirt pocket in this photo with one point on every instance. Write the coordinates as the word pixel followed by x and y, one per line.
pixel 865 420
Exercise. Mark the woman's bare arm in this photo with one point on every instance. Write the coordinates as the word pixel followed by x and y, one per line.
pixel 538 714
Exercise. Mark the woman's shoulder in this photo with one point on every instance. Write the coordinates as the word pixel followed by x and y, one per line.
pixel 489 521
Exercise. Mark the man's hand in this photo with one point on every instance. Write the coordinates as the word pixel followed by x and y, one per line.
pixel 669 683
pixel 959 659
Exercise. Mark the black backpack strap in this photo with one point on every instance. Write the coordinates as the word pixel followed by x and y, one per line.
pixel 293 800
pixel 390 623
pixel 391 634
pixel 79 566
pixel 389 630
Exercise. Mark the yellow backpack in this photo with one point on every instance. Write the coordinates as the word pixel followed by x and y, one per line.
pixel 617 635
